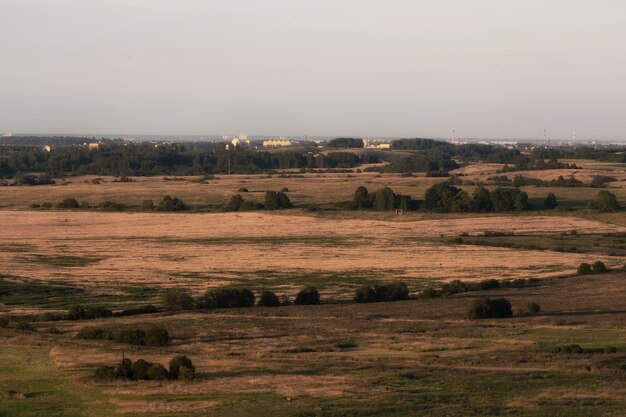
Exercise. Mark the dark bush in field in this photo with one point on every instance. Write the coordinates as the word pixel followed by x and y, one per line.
pixel 599 267
pixel 171 204
pixel 93 333
pixel 177 363
pixel 573 348
pixel 584 269
pixel 76 312
pixel 147 309
pixel 176 299
pixel 269 299
pixel 140 369
pixel 277 200
pixel 227 298
pixel 550 202
pixel 382 292
pixel 235 203
pixel 429 293
pixel 489 308
pixel 105 373
pixel 307 296
pixel 68 203
pixel 487 284
pixel 606 202
pixel 454 287
pixel 157 372
pixel 140 336
pixel 97 312
pixel 131 336
pixel 534 308
pixel 147 205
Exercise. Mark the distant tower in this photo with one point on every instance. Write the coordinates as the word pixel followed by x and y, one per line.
pixel 574 136
pixel 545 135
pixel 454 135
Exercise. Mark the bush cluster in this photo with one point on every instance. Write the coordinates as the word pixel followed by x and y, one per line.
pixel 489 308
pixel 177 299
pixel 150 335
pixel 180 367
pixel 227 298
pixel 394 291
pixel 598 267
pixel 447 198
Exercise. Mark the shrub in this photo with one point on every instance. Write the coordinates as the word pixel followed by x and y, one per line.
pixel 550 202
pixel 111 205
pixel 382 292
pixel 429 292
pixel 147 309
pixel 269 299
pixel 487 308
pixel 176 299
pixel 140 369
pixel 156 336
pixel 53 330
pixel 22 325
pixel 93 333
pixel 573 348
pixel 599 267
pixel 454 287
pixel 308 296
pixel 76 312
pixel 147 205
pixel 242 190
pixel 171 204
pixel 125 368
pixel 227 298
pixel 97 312
pixel 277 200
pixel 534 308
pixel 606 201
pixel 284 189
pixel 131 336
pixel 105 373
pixel 186 374
pixel 68 203
pixel 584 269
pixel 157 372
pixel 178 362
pixel 235 203
pixel 487 284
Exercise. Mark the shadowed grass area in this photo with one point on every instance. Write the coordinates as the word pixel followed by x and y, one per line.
pixel 62 260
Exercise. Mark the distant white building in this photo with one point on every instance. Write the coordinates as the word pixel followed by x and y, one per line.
pixel 376 144
pixel 273 143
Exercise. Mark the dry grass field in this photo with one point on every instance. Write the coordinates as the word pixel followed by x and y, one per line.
pixel 340 358
pixel 104 251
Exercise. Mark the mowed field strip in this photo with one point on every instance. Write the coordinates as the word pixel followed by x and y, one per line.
pixel 283 252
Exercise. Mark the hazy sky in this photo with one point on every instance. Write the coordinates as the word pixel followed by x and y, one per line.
pixel 487 68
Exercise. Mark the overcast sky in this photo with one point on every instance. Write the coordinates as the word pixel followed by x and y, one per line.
pixel 416 68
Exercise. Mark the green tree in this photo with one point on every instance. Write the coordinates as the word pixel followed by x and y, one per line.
pixel 384 199
pixel 361 198
pixel 550 202
pixel 308 295
pixel 176 363
pixel 606 202
pixel 235 203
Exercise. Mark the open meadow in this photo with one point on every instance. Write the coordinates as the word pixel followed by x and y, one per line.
pixel 415 357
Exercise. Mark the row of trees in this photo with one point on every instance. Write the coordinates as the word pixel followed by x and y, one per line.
pixel 180 367
pixel 177 299
pixel 165 159
pixel 382 200
pixel 447 198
